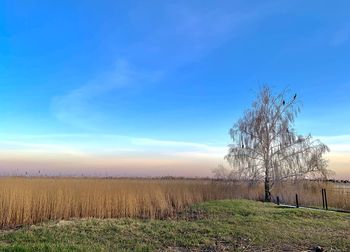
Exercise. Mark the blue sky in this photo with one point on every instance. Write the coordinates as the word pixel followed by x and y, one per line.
pixel 152 87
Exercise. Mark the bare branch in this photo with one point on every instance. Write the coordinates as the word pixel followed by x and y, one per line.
pixel 266 146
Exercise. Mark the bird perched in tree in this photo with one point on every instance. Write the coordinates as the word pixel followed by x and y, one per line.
pixel 283 102
pixel 242 146
pixel 295 96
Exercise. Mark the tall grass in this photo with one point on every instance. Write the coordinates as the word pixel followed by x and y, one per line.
pixel 33 200
pixel 309 193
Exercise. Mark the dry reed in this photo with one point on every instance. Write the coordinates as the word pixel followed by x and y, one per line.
pixel 309 193
pixel 33 200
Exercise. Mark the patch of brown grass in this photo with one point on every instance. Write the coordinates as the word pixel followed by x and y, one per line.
pixel 309 193
pixel 32 200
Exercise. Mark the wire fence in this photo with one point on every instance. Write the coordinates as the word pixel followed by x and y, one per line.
pixel 336 199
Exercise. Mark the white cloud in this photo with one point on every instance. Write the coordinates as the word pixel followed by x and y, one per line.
pixel 124 152
pixel 108 145
pixel 79 106
pixel 337 144
pixel 179 34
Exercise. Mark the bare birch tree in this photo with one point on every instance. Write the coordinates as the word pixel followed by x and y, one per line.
pixel 266 146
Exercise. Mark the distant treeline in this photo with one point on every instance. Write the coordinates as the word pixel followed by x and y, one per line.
pixel 345 181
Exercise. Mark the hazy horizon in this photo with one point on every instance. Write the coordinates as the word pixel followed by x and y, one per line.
pixel 151 89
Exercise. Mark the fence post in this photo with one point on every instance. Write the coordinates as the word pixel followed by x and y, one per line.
pixel 323 201
pixel 296 200
pixel 278 200
pixel 325 198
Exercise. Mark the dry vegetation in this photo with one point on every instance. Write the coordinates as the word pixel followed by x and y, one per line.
pixel 33 200
pixel 309 193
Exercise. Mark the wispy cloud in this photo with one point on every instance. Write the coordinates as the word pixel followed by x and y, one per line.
pixel 117 154
pixel 187 31
pixel 341 36
pixel 106 154
pixel 78 106
pixel 338 144
pixel 106 144
pixel 175 35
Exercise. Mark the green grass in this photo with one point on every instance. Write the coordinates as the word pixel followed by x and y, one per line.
pixel 212 226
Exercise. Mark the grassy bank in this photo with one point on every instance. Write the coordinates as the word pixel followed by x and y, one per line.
pixel 213 226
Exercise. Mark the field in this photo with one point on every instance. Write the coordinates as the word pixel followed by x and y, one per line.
pixel 26 201
pixel 33 200
pixel 224 225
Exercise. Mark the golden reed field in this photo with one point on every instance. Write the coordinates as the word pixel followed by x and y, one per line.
pixel 25 200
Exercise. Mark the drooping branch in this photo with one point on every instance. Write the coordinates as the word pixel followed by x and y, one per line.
pixel 265 144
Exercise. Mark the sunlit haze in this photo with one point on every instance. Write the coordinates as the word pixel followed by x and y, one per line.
pixel 151 88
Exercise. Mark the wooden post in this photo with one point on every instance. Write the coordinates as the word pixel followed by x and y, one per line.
pixel 278 200
pixel 323 201
pixel 325 198
pixel 296 200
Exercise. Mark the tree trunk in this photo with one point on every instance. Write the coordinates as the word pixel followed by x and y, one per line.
pixel 267 190
pixel 267 183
